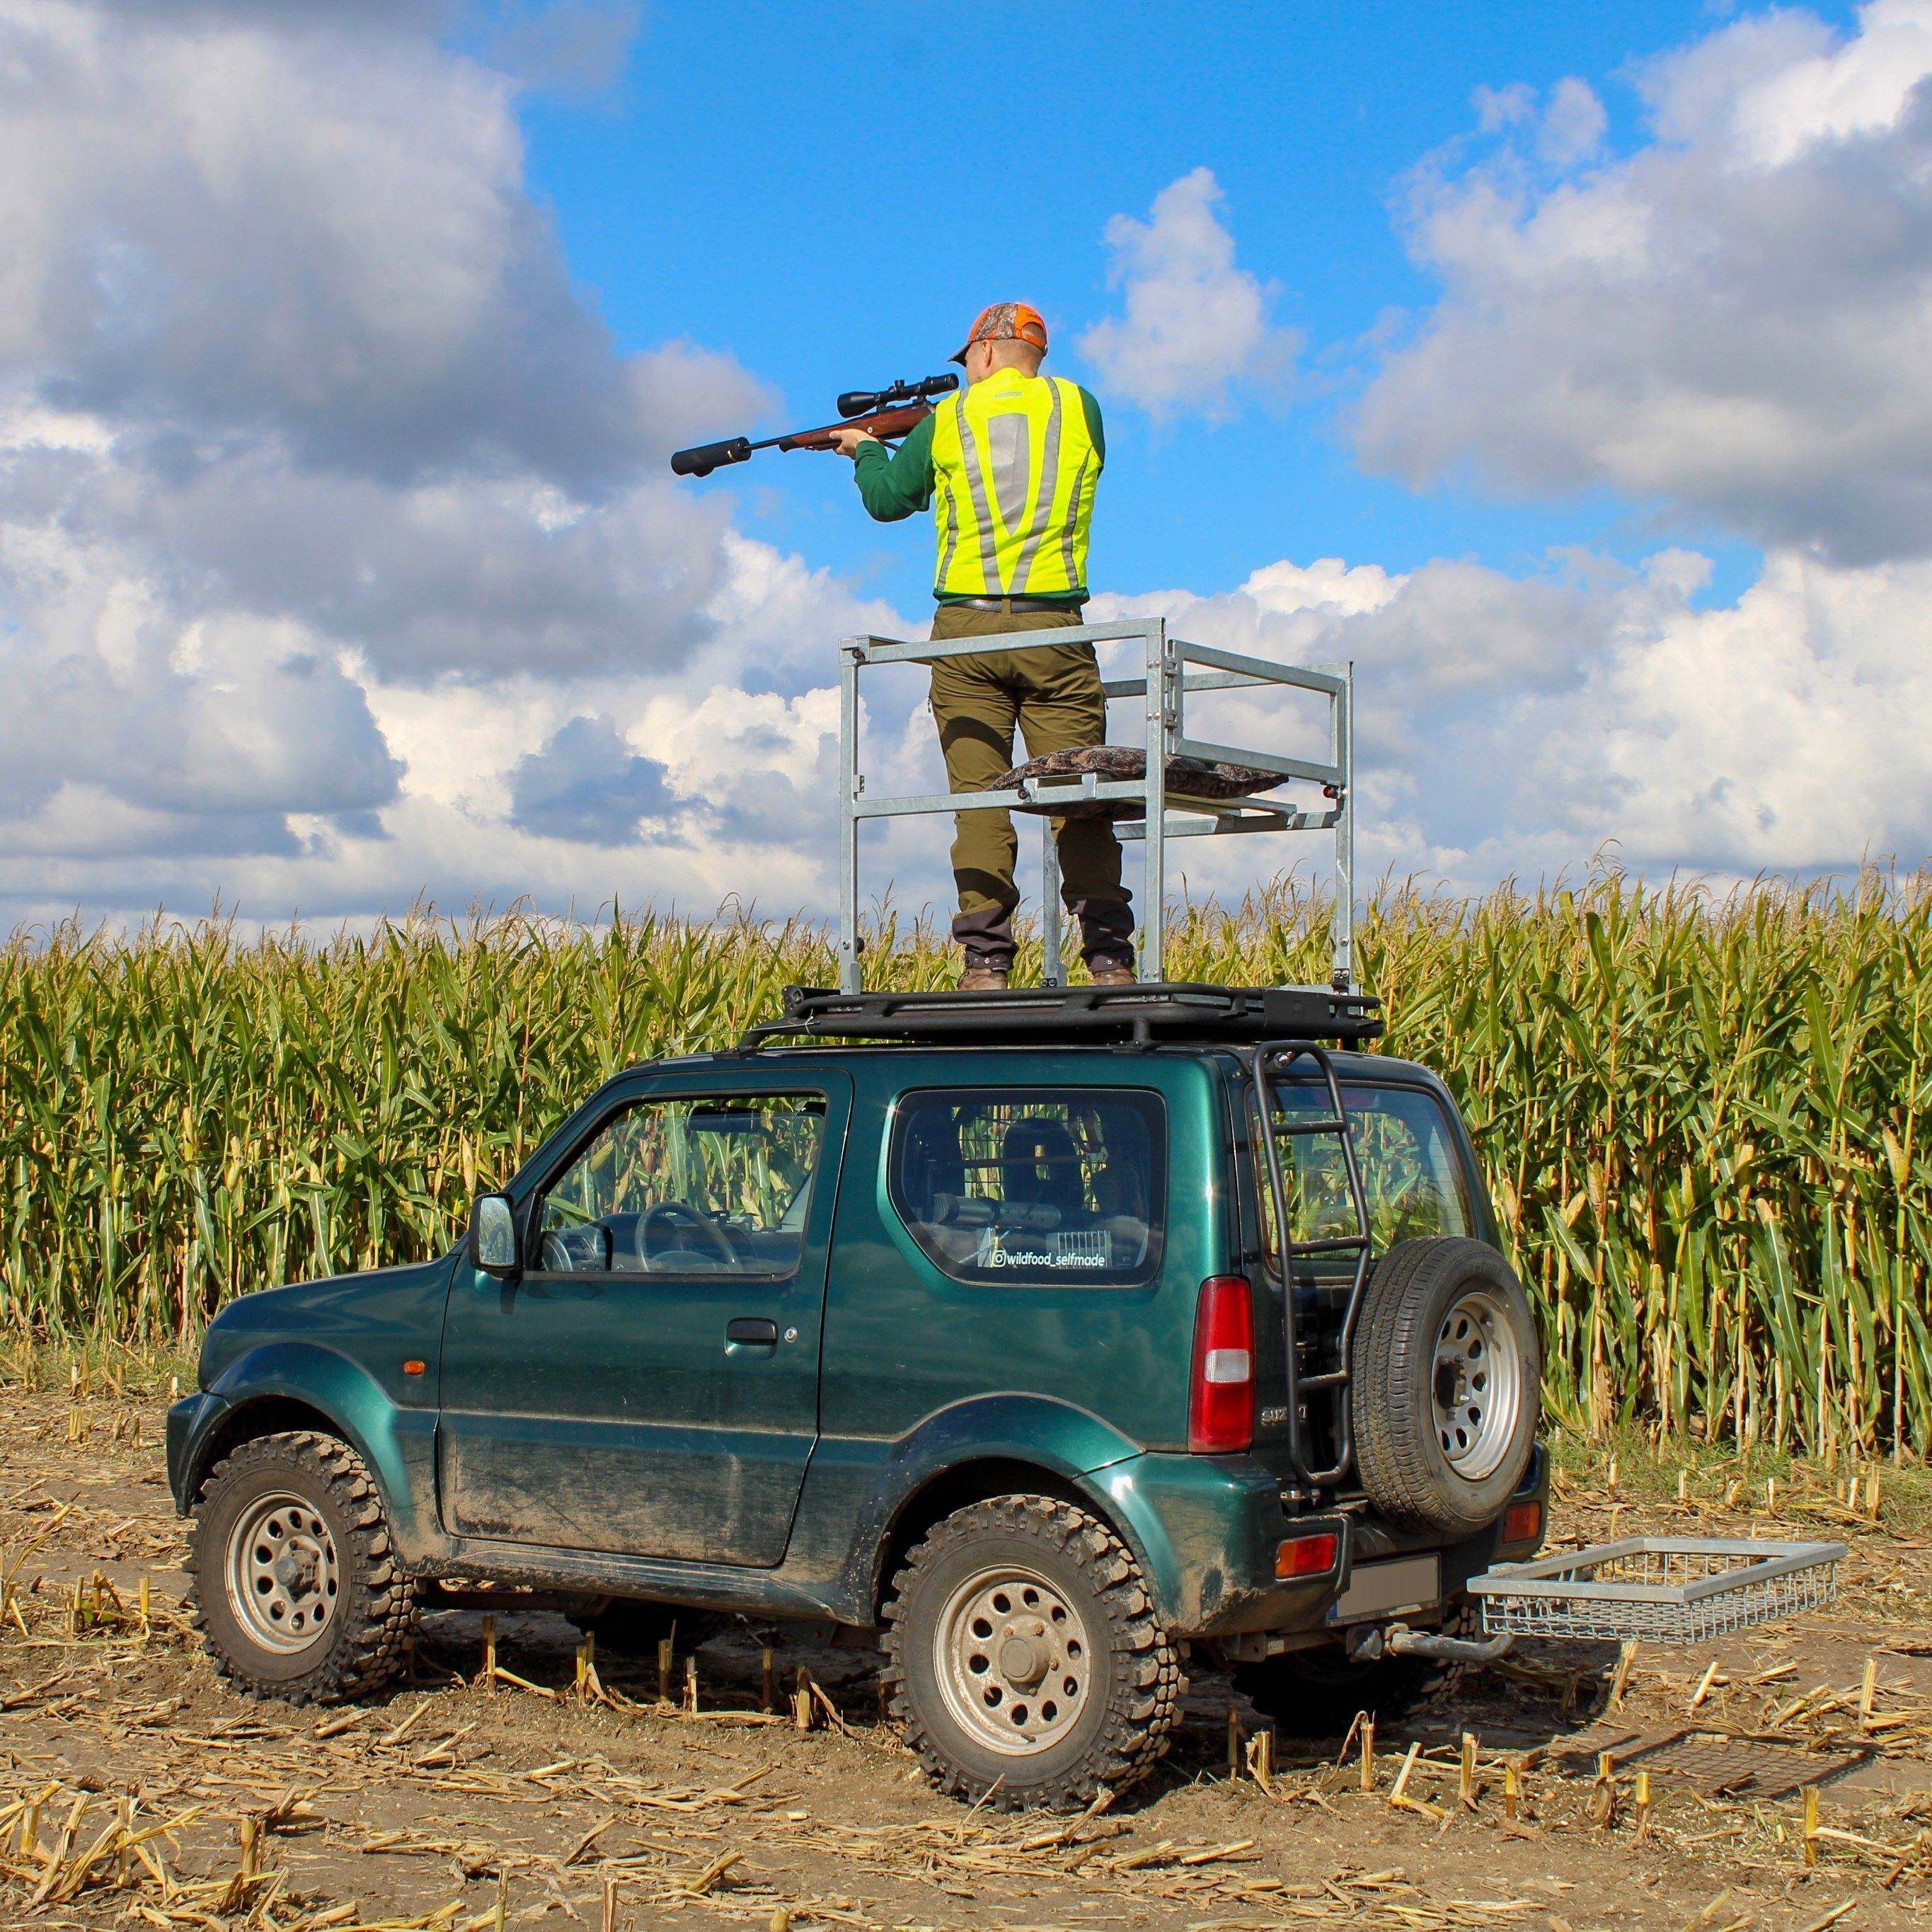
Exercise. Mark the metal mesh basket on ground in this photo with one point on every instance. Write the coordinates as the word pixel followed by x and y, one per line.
pixel 1658 1589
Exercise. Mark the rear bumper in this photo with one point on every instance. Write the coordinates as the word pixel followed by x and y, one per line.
pixel 1208 1529
pixel 1378 1541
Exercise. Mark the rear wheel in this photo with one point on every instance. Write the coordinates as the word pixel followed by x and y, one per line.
pixel 1024 1657
pixel 296 1588
pixel 1447 1391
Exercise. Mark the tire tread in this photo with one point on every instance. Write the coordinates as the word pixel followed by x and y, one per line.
pixel 1395 1450
pixel 367 1646
pixel 1145 1696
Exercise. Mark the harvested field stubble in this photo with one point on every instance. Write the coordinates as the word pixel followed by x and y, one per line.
pixel 1705 1121
pixel 135 1791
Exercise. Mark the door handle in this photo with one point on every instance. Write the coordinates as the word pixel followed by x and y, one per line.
pixel 752 1328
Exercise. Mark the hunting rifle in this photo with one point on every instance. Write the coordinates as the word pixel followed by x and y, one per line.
pixel 886 413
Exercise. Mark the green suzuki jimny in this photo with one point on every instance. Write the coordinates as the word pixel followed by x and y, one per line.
pixel 1050 1336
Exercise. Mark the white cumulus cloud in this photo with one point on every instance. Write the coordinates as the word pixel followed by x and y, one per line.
pixel 1506 725
pixel 338 564
pixel 327 506
pixel 1195 323
pixel 1734 321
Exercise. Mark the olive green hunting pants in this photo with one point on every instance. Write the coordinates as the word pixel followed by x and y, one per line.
pixel 1052 695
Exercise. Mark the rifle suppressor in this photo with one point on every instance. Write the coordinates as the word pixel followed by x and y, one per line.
pixel 710 456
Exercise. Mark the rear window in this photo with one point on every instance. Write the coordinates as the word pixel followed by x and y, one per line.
pixel 1411 1174
pixel 1033 1187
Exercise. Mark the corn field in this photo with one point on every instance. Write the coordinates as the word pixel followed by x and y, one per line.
pixel 1704 1121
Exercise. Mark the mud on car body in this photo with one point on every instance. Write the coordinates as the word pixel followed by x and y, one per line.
pixel 1046 1345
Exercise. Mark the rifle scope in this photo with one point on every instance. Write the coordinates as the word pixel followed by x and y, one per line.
pixel 863 402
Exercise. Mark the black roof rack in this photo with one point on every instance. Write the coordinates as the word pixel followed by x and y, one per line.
pixel 1038 1014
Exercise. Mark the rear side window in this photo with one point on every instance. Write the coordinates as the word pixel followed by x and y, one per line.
pixel 1411 1174
pixel 1033 1186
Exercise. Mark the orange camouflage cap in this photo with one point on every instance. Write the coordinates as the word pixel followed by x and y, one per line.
pixel 1007 322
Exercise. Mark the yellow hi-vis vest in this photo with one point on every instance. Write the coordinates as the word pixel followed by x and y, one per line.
pixel 1013 471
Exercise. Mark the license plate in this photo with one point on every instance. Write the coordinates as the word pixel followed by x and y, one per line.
pixel 1380 1589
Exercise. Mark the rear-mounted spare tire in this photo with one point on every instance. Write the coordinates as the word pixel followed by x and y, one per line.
pixel 1447 1391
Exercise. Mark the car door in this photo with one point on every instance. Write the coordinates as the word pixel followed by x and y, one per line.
pixel 649 1384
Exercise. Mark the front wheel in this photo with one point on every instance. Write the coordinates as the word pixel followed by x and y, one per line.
pixel 1024 1659
pixel 296 1587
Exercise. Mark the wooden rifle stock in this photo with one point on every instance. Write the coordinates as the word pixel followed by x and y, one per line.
pixel 886 424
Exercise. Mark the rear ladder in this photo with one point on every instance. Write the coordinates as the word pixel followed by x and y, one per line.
pixel 1271 1062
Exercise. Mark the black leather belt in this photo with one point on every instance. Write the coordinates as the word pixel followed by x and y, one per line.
pixel 1017 606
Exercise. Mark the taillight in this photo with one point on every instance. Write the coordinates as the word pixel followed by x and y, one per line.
pixel 1221 1407
pixel 1305 1556
pixel 1523 1522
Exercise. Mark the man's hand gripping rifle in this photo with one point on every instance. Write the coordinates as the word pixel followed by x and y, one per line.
pixel 884 413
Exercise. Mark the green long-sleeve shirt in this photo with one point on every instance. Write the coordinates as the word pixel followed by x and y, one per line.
pixel 893 487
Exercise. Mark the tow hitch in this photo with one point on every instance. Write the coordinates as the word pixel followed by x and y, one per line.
pixel 1366 1644
pixel 1659 1589
pixel 1401 1641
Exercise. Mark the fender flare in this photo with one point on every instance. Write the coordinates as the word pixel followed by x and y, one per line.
pixel 397 1444
pixel 1006 1433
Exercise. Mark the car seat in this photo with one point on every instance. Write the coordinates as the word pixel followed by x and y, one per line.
pixel 1040 1166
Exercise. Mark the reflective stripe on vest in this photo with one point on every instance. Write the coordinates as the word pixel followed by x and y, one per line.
pixel 1014 471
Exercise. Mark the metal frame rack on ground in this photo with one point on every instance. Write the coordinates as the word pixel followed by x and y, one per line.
pixel 1174 668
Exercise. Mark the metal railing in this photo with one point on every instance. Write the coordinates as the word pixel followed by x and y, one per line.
pixel 1271 1063
pixel 1174 668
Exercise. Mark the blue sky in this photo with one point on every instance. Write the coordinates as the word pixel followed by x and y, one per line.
pixel 830 194
pixel 1565 368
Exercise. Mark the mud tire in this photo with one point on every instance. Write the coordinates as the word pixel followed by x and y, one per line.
pixel 362 1645
pixel 1133 1702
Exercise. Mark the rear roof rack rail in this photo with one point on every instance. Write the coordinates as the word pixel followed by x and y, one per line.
pixel 1038 1015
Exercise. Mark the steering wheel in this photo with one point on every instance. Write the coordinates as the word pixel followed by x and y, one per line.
pixel 680 1219
pixel 584 1248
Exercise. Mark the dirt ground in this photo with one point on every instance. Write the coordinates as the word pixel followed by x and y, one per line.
pixel 134 1791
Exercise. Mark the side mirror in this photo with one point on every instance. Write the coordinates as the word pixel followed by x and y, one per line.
pixel 493 1234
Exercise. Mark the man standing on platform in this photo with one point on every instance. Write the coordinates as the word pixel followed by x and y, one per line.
pixel 1009 464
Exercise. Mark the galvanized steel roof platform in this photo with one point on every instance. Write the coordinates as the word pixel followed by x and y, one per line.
pixel 1171 669
pixel 1043 1016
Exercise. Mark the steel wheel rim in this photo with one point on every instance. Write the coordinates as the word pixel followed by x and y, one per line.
pixel 1012 1659
pixel 1475 1384
pixel 284 1584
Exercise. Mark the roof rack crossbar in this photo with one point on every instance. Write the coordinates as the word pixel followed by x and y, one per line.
pixel 1181 1012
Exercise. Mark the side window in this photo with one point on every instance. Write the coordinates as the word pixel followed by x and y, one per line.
pixel 1033 1187
pixel 1410 1177
pixel 713 1186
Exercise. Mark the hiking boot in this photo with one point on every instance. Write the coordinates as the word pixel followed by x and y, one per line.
pixel 984 979
pixel 1113 973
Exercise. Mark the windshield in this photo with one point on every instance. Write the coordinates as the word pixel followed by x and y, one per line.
pixel 1411 1176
